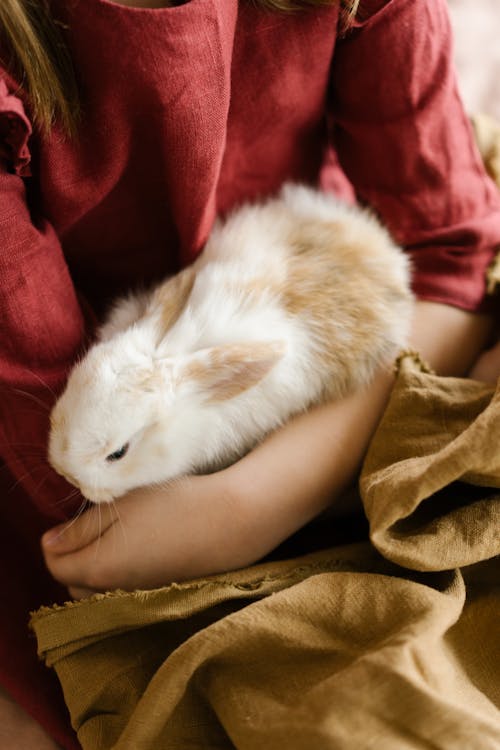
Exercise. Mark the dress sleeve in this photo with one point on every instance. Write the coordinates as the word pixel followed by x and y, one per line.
pixel 406 145
pixel 41 325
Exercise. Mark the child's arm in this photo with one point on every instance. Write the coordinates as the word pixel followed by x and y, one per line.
pixel 203 525
pixel 487 367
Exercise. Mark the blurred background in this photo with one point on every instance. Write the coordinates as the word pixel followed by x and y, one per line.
pixel 476 25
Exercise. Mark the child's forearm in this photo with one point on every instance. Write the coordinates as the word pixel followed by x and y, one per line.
pixel 302 468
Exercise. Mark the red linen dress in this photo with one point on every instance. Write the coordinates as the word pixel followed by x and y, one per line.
pixel 187 111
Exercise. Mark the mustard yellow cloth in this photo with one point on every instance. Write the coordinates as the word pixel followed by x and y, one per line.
pixel 392 644
pixel 487 133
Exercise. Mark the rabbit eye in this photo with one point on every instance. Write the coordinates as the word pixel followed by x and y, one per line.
pixel 118 454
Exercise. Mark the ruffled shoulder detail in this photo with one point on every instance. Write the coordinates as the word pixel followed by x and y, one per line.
pixel 15 131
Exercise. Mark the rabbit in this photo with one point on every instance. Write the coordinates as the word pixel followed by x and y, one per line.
pixel 295 300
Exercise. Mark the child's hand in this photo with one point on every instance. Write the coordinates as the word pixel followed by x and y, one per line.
pixel 151 537
pixel 487 366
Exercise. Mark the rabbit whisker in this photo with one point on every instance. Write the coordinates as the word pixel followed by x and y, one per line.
pixel 74 492
pixel 24 476
pixel 34 398
pixel 120 522
pixel 99 516
pixel 73 520
pixel 42 382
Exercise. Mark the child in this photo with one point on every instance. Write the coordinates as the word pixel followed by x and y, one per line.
pixel 177 112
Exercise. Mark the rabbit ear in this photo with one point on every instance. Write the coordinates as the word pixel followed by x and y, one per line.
pixel 223 372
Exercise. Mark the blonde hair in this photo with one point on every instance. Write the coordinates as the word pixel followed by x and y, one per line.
pixel 40 60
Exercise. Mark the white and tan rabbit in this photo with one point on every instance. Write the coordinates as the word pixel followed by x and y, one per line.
pixel 293 301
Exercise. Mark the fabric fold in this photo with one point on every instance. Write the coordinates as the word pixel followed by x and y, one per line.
pixel 431 479
pixel 15 131
pixel 333 650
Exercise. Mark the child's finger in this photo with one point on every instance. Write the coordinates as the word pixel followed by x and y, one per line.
pixel 94 567
pixel 83 530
